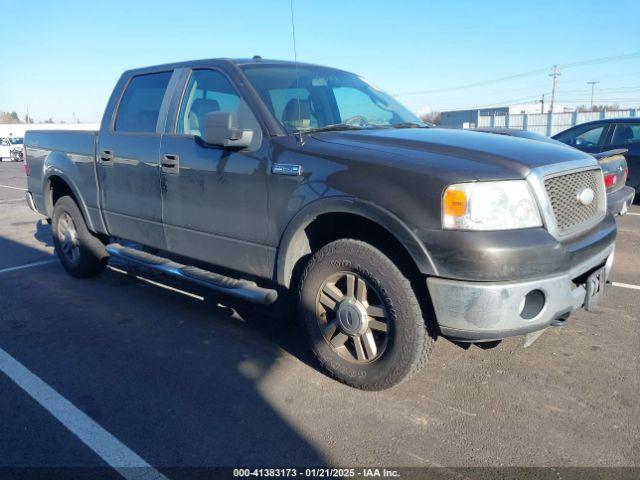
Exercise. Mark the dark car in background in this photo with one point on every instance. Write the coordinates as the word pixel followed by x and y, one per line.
pixel 613 163
pixel 608 134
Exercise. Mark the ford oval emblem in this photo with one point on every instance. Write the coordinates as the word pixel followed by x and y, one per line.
pixel 586 196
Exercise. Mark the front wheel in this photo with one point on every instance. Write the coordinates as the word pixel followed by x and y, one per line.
pixel 362 317
pixel 80 252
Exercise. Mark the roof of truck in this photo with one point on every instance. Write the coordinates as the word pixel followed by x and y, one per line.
pixel 233 61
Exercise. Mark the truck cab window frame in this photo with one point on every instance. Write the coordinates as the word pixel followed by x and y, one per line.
pixel 127 97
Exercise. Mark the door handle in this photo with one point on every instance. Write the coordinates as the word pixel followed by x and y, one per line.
pixel 106 155
pixel 170 163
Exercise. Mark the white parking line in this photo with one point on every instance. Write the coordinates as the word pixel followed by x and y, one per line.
pixel 28 265
pixel 14 188
pixel 633 213
pixel 626 285
pixel 158 284
pixel 110 449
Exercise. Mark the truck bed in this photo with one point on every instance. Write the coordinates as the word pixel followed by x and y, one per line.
pixel 71 155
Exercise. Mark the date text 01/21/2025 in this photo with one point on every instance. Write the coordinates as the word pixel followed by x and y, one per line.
pixel 317 472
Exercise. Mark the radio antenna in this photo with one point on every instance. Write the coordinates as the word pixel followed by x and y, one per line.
pixel 295 62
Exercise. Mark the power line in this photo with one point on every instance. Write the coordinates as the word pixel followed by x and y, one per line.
pixel 473 85
pixel 581 63
pixel 596 61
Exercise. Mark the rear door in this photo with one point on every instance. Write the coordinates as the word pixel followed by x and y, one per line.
pixel 214 205
pixel 129 163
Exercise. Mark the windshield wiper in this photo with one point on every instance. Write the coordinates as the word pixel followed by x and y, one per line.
pixel 332 127
pixel 410 125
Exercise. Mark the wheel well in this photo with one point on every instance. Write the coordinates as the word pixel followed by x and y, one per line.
pixel 56 189
pixel 328 227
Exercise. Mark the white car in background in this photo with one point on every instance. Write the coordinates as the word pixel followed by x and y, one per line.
pixel 10 148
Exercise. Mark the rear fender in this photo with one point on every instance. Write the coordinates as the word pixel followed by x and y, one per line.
pixel 58 164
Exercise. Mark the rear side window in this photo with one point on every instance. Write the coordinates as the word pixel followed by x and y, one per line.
pixel 626 133
pixel 140 105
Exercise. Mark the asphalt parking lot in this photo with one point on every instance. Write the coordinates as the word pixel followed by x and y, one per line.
pixel 175 381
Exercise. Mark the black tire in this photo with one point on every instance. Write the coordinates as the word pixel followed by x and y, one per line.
pixel 90 257
pixel 407 342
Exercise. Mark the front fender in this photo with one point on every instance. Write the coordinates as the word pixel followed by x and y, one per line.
pixel 294 243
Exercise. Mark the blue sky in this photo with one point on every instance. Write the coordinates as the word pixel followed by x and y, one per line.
pixel 60 58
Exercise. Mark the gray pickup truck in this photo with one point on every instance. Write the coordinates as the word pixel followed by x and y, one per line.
pixel 270 181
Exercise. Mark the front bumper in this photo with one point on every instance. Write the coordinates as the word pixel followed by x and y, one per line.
pixel 619 201
pixel 484 311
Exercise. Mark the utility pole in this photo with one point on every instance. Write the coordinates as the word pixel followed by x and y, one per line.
pixel 542 104
pixel 593 86
pixel 554 74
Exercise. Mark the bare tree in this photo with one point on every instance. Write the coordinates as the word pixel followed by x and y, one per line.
pixel 431 117
pixel 598 108
pixel 6 117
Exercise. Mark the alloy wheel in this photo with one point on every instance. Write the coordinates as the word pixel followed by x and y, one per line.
pixel 68 238
pixel 352 317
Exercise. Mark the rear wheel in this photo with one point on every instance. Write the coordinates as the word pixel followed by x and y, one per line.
pixel 81 253
pixel 362 317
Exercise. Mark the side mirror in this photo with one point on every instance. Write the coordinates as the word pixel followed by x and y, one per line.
pixel 221 128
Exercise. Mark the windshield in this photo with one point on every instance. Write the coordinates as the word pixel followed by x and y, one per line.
pixel 319 98
pixel 16 140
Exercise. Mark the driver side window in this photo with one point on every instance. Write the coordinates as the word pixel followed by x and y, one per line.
pixel 586 137
pixel 207 91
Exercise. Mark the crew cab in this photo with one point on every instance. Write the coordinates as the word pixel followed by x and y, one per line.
pixel 284 183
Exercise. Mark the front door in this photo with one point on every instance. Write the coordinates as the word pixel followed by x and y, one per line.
pixel 128 163
pixel 214 199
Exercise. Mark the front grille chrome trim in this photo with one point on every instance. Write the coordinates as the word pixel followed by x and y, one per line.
pixel 536 180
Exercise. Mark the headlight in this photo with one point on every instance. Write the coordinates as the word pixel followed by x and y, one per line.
pixel 502 205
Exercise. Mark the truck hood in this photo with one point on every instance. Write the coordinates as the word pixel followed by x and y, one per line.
pixel 495 156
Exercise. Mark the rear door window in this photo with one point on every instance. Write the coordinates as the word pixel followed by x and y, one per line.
pixel 140 105
pixel 626 133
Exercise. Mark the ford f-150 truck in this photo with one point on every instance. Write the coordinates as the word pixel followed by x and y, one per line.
pixel 268 180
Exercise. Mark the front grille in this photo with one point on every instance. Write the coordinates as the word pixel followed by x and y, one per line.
pixel 563 190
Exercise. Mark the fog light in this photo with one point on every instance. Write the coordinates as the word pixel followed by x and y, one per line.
pixel 532 304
